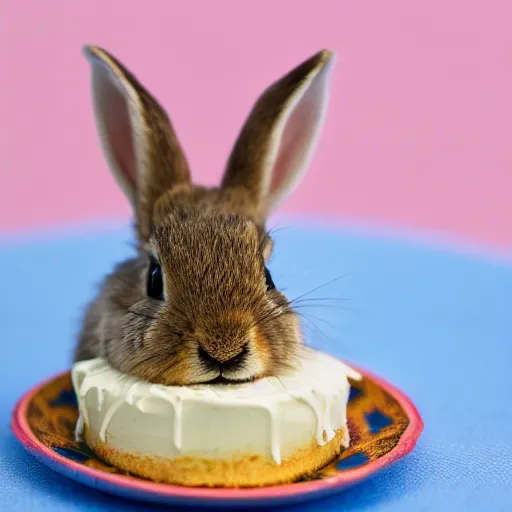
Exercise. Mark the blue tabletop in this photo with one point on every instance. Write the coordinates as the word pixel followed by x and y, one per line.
pixel 434 322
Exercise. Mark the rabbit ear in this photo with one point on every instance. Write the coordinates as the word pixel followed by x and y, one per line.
pixel 276 144
pixel 138 140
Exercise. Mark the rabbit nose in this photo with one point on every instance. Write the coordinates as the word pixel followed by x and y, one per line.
pixel 233 363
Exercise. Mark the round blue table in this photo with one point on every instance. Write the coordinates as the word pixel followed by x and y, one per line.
pixel 436 323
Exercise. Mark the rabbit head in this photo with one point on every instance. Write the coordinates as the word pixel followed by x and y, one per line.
pixel 198 303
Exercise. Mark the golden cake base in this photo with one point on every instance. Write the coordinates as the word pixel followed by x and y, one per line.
pixel 246 471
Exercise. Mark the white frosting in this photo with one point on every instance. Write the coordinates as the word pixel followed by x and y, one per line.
pixel 273 417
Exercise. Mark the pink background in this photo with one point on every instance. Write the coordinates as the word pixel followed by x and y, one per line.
pixel 418 133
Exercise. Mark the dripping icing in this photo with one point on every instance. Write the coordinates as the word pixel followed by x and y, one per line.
pixel 275 446
pixel 108 418
pixel 79 428
pixel 177 408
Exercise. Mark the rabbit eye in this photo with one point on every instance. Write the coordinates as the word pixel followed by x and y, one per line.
pixel 155 281
pixel 268 280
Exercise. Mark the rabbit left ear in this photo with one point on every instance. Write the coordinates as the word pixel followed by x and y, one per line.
pixel 276 144
pixel 138 139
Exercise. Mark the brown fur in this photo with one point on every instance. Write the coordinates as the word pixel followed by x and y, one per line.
pixel 210 243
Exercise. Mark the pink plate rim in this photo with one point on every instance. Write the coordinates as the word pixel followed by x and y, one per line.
pixel 345 478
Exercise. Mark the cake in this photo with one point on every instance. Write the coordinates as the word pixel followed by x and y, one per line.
pixel 270 431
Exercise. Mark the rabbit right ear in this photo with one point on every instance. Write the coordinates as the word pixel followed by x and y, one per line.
pixel 276 144
pixel 138 140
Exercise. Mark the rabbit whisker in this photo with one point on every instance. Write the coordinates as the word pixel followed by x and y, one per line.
pixel 318 288
pixel 331 306
pixel 318 299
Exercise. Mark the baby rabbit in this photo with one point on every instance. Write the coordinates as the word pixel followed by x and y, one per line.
pixel 197 304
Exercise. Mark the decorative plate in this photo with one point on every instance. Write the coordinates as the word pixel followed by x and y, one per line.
pixel 384 426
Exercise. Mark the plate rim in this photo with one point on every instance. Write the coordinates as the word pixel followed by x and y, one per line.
pixel 408 440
